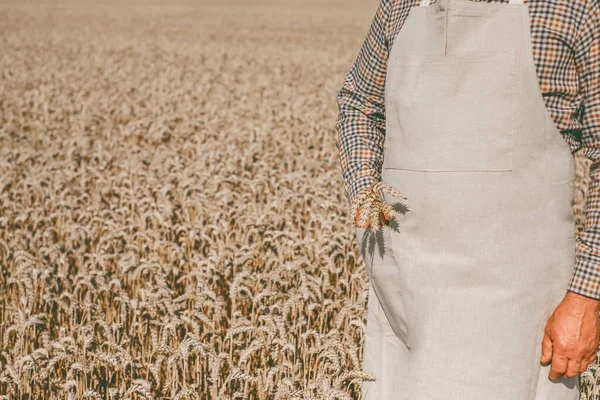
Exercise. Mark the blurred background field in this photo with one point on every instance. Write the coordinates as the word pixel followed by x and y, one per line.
pixel 172 215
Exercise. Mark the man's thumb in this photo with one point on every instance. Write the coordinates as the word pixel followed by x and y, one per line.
pixel 546 349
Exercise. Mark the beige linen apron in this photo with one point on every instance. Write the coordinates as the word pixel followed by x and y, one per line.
pixel 459 301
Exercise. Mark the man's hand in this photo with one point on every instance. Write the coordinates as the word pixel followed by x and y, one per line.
pixel 571 336
pixel 368 223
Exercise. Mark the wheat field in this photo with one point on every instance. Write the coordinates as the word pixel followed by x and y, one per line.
pixel 173 222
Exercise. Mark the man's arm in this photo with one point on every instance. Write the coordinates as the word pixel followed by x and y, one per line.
pixel 572 332
pixel 361 121
pixel 585 279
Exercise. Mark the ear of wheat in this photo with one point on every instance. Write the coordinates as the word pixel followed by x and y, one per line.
pixel 374 207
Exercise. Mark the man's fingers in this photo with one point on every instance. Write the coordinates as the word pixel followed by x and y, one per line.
pixel 546 349
pixel 573 368
pixel 558 366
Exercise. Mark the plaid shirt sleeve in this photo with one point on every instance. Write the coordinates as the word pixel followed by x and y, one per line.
pixel 361 121
pixel 585 279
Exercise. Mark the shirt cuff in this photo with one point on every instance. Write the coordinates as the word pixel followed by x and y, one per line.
pixel 361 181
pixel 585 279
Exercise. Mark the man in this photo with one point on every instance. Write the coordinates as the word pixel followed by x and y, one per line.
pixel 472 110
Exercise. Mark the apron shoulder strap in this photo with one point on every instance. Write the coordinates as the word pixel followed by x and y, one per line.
pixel 425 3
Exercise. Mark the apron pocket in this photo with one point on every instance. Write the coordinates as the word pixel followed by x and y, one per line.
pixel 384 274
pixel 451 112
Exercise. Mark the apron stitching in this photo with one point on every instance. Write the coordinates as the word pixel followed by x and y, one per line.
pixel 513 111
pixel 446 32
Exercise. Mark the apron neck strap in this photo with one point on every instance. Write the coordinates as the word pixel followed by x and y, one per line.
pixel 425 3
